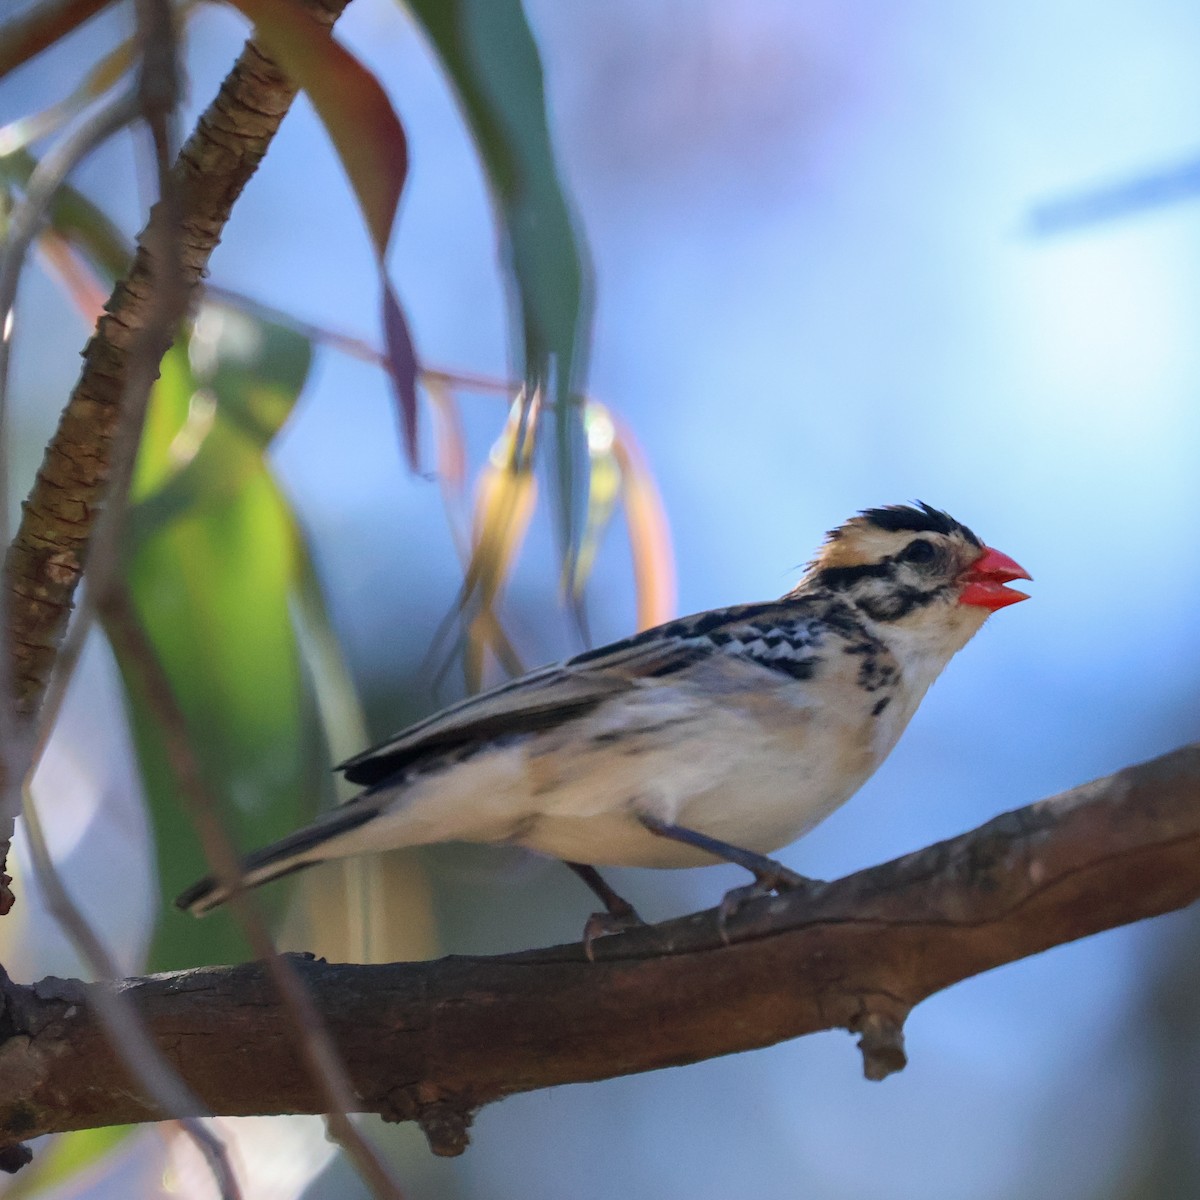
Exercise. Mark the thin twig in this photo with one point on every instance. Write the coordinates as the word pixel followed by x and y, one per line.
pixel 350 345
pixel 137 651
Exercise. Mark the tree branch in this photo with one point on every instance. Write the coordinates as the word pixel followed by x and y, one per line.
pixel 434 1041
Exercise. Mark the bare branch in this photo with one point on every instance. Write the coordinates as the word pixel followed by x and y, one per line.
pixel 29 34
pixel 434 1041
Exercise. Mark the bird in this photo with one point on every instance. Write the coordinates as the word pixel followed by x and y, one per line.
pixel 718 737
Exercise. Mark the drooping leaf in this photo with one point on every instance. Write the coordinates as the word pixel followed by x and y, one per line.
pixel 504 507
pixel 166 416
pixel 78 280
pixel 401 365
pixel 649 531
pixel 448 436
pixel 212 568
pixel 370 141
pixel 212 592
pixel 604 490
pixel 74 216
pixel 28 34
pixel 353 107
pixel 245 375
pixel 505 497
pixel 255 368
pixel 489 54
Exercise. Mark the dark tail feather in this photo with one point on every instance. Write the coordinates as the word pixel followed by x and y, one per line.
pixel 292 853
pixel 206 894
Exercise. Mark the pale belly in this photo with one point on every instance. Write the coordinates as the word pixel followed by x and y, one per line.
pixel 768 822
pixel 723 774
pixel 753 792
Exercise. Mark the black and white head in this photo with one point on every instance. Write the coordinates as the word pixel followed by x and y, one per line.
pixel 917 571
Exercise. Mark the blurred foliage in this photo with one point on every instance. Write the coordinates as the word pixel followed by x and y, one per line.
pixel 489 54
pixel 355 110
pixel 370 141
pixel 221 571
pixel 506 495
pixel 66 1158
pixel 74 217
pixel 211 562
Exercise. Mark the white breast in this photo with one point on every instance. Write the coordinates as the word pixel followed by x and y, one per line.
pixel 749 761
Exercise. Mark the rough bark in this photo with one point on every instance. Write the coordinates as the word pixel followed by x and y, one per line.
pixel 434 1041
pixel 45 561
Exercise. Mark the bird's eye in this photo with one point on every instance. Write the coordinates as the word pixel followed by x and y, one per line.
pixel 919 551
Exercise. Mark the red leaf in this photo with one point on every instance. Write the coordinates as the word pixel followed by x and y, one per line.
pixel 352 105
pixel 402 367
pixel 649 532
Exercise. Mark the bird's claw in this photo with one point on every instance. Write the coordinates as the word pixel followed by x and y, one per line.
pixel 603 923
pixel 777 880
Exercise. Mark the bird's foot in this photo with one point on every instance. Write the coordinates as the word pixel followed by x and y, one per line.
pixel 773 879
pixel 603 923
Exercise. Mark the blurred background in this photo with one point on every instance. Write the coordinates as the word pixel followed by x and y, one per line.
pixel 837 263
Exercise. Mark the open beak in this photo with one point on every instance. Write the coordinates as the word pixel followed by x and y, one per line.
pixel 983 581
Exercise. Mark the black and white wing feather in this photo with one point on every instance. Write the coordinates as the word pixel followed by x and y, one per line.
pixel 772 635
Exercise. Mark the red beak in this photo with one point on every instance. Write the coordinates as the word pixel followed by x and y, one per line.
pixel 983 581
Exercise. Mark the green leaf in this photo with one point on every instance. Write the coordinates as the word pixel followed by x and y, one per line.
pixel 488 51
pixel 342 715
pixel 67 1156
pixel 255 367
pixel 212 564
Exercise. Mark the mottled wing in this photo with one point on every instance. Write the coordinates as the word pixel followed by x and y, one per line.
pixel 777 636
pixel 537 701
pixel 558 694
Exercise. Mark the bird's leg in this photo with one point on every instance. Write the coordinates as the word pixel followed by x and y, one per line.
pixel 619 915
pixel 769 875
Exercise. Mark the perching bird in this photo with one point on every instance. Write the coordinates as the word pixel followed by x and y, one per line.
pixel 720 736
